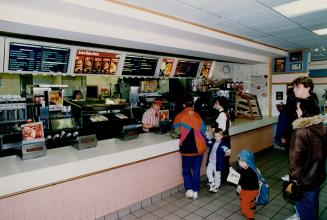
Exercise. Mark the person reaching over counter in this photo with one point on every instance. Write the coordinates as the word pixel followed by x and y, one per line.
pixel 151 117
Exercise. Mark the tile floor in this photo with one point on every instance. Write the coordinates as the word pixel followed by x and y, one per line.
pixel 225 204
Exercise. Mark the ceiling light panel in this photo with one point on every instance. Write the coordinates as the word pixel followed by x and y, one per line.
pixel 301 7
pixel 321 31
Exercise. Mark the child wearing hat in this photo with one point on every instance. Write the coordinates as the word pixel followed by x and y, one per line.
pixel 249 183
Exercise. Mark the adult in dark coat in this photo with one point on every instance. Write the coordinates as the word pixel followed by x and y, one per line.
pixel 307 158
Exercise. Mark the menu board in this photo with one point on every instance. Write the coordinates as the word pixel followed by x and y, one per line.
pixel 140 66
pixel 93 62
pixel 187 68
pixel 166 67
pixel 205 69
pixel 37 58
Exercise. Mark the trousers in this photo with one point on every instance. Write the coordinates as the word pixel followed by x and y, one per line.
pixel 248 198
pixel 307 207
pixel 191 166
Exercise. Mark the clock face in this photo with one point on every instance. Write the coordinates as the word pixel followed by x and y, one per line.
pixel 226 69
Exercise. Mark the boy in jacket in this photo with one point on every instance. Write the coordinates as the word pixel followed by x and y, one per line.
pixel 218 150
pixel 192 145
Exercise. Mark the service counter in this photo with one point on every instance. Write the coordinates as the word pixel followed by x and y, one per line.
pixel 109 177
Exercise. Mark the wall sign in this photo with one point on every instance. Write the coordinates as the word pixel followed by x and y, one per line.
pixel 94 62
pixel 136 65
pixel 37 58
pixel 187 68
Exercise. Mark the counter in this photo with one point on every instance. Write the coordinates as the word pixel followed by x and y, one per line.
pixel 156 154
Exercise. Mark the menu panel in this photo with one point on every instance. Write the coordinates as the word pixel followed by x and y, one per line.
pixel 186 68
pixel 140 66
pixel 37 58
pixel 166 67
pixel 94 62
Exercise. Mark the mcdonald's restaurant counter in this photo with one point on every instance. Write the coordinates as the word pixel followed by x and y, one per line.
pixel 67 163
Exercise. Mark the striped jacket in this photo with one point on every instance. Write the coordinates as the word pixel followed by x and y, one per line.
pixel 192 128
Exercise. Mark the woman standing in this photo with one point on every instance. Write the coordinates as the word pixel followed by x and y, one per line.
pixel 307 158
pixel 223 122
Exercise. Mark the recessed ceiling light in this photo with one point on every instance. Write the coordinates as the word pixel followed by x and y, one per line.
pixel 320 31
pixel 301 7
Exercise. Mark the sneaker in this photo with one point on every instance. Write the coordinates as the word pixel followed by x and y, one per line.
pixel 293 217
pixel 189 194
pixel 195 195
pixel 212 186
pixel 285 178
pixel 215 189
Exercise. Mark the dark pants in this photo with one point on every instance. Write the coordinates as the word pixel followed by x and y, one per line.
pixel 191 172
pixel 225 171
pixel 307 207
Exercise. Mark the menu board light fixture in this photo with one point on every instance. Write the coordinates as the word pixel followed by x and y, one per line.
pixel 2 49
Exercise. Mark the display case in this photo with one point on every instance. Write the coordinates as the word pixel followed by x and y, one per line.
pixel 97 117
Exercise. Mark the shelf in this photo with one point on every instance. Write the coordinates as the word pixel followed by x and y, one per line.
pixel 247 106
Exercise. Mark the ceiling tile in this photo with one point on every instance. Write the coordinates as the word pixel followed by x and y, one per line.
pixel 257 17
pixel 197 3
pixel 320 16
pixel 231 8
pixel 282 24
pixel 273 3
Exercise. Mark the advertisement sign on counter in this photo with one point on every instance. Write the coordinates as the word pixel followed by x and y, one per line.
pixel 32 131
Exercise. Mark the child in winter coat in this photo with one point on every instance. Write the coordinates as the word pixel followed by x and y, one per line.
pixel 249 183
pixel 218 150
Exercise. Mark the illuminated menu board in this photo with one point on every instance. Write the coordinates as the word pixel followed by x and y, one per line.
pixel 186 68
pixel 94 62
pixel 140 66
pixel 37 58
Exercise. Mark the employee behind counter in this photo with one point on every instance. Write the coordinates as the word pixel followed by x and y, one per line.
pixel 77 95
pixel 151 117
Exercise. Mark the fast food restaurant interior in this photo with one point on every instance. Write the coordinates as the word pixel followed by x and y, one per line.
pixel 76 78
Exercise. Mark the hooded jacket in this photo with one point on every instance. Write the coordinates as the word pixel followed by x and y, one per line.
pixel 248 178
pixel 307 152
pixel 192 130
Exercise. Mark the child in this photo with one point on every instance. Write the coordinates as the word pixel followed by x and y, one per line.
pixel 218 150
pixel 249 183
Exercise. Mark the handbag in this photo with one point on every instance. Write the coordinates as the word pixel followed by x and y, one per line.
pixel 296 191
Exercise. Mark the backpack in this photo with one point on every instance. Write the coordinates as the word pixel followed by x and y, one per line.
pixel 263 197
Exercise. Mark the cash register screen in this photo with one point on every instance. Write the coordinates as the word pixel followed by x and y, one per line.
pixel 62 123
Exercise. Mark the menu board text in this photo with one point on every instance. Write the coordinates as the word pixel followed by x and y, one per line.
pixel 37 58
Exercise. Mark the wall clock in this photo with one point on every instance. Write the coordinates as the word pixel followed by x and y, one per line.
pixel 226 69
